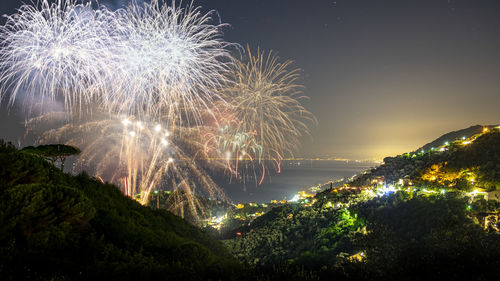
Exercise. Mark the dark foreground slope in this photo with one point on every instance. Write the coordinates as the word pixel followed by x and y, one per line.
pixel 54 226
pixel 421 230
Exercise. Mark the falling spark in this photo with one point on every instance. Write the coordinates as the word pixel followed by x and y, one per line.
pixel 139 161
pixel 266 119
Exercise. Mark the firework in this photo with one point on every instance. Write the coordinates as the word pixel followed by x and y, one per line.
pixel 139 157
pixel 265 107
pixel 176 101
pixel 172 60
pixel 150 60
pixel 59 49
pixel 234 151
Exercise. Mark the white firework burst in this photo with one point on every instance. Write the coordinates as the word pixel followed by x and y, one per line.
pixel 150 60
pixel 56 49
pixel 172 60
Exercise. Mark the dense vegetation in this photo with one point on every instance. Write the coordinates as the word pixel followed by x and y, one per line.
pixel 401 236
pixel 54 226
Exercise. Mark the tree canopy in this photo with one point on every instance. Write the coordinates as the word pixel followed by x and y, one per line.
pixel 53 152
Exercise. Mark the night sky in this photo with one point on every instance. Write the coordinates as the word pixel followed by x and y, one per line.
pixel 383 77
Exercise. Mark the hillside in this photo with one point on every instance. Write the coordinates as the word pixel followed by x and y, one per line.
pixel 394 222
pixel 455 135
pixel 464 163
pixel 54 226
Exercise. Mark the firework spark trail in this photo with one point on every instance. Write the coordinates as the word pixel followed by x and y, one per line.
pixel 234 149
pixel 140 157
pixel 118 150
pixel 264 99
pixel 186 176
pixel 56 49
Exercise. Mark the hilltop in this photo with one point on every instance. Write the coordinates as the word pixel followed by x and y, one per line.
pixel 455 135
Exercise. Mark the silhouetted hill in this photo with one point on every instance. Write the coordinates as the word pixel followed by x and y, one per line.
pixel 455 135
pixel 54 226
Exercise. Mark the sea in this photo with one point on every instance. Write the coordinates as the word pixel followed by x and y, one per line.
pixel 295 176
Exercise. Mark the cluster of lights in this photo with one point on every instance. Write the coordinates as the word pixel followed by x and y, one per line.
pixel 302 195
pixel 217 221
pixel 386 190
pixel 424 190
pixel 476 192
pixel 464 141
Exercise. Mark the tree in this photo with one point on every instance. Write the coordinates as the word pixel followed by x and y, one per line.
pixel 53 152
